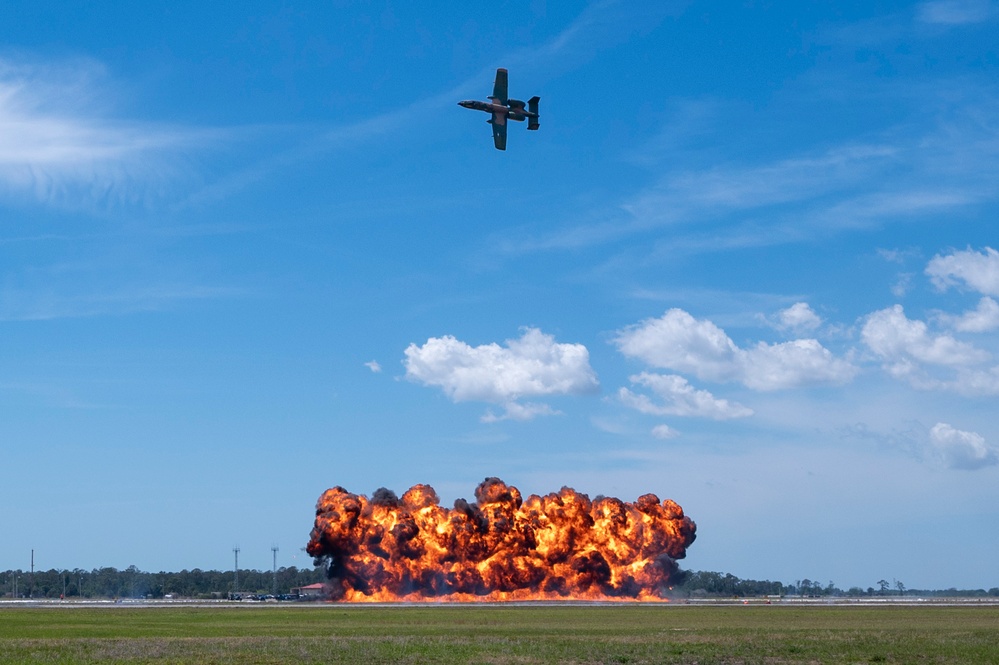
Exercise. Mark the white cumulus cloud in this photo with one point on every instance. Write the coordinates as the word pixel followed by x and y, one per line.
pixel 962 450
pixel 520 412
pixel 531 366
pixel 900 341
pixel 791 364
pixel 798 318
pixel 679 342
pixel 676 397
pixel 664 431
pixel 978 270
pixel 983 318
pixel 939 361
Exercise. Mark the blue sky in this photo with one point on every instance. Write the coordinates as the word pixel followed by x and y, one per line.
pixel 748 263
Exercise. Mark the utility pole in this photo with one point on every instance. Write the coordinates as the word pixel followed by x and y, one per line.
pixel 274 551
pixel 31 583
pixel 235 576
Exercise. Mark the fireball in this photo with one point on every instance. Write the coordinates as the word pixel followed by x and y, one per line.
pixel 561 546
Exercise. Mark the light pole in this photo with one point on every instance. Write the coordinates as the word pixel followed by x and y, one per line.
pixel 274 550
pixel 235 573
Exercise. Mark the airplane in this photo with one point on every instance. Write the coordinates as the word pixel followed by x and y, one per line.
pixel 503 108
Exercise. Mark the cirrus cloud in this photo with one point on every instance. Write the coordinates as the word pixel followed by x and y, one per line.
pixel 60 145
pixel 954 12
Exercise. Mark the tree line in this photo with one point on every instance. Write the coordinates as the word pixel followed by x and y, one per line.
pixel 205 584
pixel 134 583
pixel 705 584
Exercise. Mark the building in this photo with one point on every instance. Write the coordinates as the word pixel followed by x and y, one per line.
pixel 310 591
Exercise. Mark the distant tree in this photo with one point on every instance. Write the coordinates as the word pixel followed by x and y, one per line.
pixel 197 583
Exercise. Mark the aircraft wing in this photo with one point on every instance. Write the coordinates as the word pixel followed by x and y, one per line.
pixel 499 130
pixel 500 87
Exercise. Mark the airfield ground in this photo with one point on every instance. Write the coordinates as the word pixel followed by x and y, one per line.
pixel 954 631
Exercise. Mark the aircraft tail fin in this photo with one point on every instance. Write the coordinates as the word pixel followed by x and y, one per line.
pixel 532 107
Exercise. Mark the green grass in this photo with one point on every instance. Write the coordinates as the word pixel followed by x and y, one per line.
pixel 768 635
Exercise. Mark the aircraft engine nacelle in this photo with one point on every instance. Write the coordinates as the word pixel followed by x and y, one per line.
pixel 516 104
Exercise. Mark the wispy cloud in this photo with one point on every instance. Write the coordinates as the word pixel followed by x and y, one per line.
pixel 934 150
pixel 52 393
pixel 799 198
pixel 70 301
pixel 955 12
pixel 61 144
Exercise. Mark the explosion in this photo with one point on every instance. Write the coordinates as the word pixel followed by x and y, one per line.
pixel 502 547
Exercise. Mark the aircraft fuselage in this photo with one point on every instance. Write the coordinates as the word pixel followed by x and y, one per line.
pixel 515 111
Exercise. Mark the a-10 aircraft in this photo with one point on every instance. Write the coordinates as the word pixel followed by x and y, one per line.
pixel 502 108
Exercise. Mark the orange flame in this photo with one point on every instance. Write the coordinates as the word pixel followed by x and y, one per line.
pixel 557 547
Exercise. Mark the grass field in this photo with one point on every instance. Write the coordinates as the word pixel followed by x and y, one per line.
pixel 500 634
